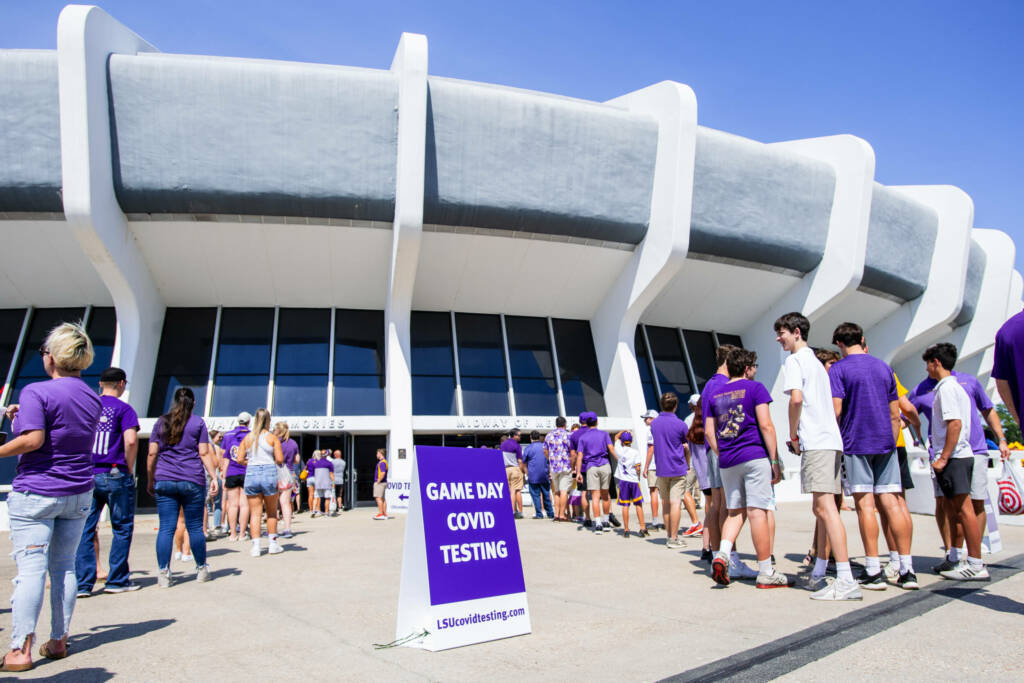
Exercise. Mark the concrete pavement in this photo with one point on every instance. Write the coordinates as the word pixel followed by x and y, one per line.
pixel 602 607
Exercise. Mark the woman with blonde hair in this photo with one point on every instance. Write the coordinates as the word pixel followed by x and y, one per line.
pixel 179 451
pixel 54 423
pixel 260 452
pixel 285 476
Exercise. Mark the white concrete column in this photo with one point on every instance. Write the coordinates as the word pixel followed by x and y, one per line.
pixel 661 254
pixel 86 37
pixel 410 68
pixel 837 275
pixel 920 322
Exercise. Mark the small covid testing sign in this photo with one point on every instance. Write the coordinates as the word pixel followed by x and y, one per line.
pixel 462 577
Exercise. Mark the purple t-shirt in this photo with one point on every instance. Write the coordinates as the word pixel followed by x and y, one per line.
pixel 67 410
pixel 923 397
pixel 710 387
pixel 230 443
pixel 867 385
pixel 574 438
pixel 181 462
pixel 108 445
pixel 669 434
pixel 382 470
pixel 593 447
pixel 733 405
pixel 290 449
pixel 1009 358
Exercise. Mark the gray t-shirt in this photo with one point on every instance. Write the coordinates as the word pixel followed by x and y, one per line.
pixel 323 478
pixel 339 469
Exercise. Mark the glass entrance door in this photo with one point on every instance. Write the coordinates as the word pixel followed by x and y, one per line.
pixel 363 465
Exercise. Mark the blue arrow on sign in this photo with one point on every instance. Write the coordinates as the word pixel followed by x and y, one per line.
pixel 403 497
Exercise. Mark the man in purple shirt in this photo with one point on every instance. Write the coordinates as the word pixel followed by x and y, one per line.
pixel 574 455
pixel 594 448
pixel 865 402
pixel 672 461
pixel 234 478
pixel 923 397
pixel 1008 366
pixel 113 460
pixel 512 455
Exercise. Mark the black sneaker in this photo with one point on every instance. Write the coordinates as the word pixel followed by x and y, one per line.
pixel 588 523
pixel 946 565
pixel 614 520
pixel 908 581
pixel 644 533
pixel 872 582
pixel 625 534
pixel 706 555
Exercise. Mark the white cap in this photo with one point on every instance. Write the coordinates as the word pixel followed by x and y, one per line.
pixel 244 418
pixel 649 414
pixel 694 399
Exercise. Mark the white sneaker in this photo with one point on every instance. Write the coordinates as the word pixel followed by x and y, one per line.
pixel 163 579
pixel 255 551
pixel 177 556
pixel 774 580
pixel 892 571
pixel 675 543
pixel 839 590
pixel 187 558
pixel 741 570
pixel 274 548
pixel 814 583
pixel 965 572
pixel 203 573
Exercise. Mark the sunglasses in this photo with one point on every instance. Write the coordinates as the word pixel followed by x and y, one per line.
pixel 43 351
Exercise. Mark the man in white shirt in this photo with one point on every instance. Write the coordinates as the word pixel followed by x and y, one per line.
pixel 814 436
pixel 952 412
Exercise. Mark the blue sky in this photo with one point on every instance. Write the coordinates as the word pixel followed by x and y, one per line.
pixel 935 87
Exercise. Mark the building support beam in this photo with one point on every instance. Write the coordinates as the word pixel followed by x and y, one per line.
pixel 661 254
pixel 86 37
pixel 410 68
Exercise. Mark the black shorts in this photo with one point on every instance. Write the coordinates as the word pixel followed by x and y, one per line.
pixel 337 490
pixel 955 477
pixel 706 492
pixel 906 480
pixel 235 481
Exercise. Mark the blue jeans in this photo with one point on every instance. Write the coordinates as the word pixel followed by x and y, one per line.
pixel 536 492
pixel 116 491
pixel 172 496
pixel 44 532
pixel 261 480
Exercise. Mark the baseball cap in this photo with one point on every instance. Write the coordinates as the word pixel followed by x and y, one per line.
pixel 591 415
pixel 583 417
pixel 113 375
pixel 650 413
pixel 694 399
pixel 626 436
pixel 244 417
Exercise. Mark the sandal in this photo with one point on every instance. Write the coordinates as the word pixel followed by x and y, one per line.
pixel 44 651
pixel 4 666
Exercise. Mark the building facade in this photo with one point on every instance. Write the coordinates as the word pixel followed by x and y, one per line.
pixel 388 258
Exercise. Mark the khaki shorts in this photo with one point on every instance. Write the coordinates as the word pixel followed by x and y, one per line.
pixel 819 472
pixel 652 479
pixel 379 487
pixel 599 478
pixel 690 481
pixel 561 481
pixel 671 489
pixel 515 478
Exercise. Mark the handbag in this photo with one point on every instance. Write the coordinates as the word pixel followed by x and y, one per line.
pixel 284 478
pixel 1011 491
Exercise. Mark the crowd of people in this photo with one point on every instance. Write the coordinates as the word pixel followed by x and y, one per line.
pixel 847 412
pixel 846 415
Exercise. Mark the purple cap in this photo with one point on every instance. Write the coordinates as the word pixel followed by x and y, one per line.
pixel 626 436
pixel 583 417
pixel 591 415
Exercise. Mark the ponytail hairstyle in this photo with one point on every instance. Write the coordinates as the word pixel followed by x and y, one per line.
pixel 176 418
pixel 260 424
pixel 696 433
pixel 282 432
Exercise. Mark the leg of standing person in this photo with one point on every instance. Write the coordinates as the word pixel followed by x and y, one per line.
pixel 87 557
pixel 193 502
pixel 122 524
pixel 546 494
pixel 535 496
pixel 243 513
pixel 67 531
pixel 168 506
pixel 255 502
pixel 271 504
pixel 233 532
pixel 285 502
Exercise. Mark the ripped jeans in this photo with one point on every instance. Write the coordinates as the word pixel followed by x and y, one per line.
pixel 45 532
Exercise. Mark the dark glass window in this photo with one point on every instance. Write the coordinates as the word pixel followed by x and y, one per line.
pixel 577 360
pixel 184 357
pixel 701 346
pixel 532 366
pixel 102 330
pixel 733 339
pixel 303 350
pixel 30 365
pixel 433 369
pixel 481 364
pixel 359 363
pixel 243 360
pixel 669 362
pixel 646 379
pixel 11 320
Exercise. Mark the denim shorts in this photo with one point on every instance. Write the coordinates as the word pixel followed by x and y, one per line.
pixel 261 480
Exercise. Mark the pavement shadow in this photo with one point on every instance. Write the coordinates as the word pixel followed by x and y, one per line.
pixel 112 633
pixel 218 551
pixel 998 603
pixel 91 674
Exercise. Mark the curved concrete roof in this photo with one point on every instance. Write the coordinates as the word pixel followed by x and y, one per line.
pixel 976 261
pixel 900 232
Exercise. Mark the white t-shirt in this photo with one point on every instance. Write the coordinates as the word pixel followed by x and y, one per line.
pixel 650 441
pixel 629 458
pixel 818 429
pixel 951 403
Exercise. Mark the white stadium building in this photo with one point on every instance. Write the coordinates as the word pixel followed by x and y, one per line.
pixel 390 258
